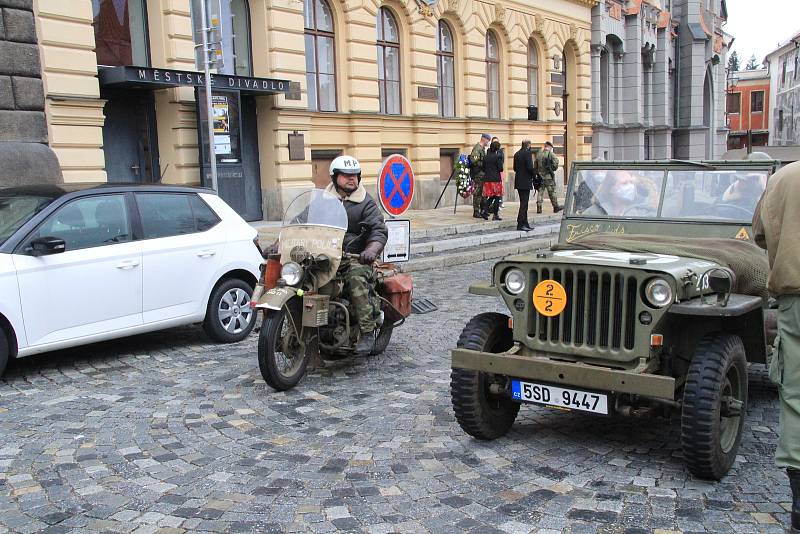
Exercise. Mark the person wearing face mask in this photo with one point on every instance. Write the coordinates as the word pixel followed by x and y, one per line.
pixel 616 194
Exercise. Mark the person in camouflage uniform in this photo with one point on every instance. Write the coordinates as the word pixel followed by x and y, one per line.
pixel 366 236
pixel 546 165
pixel 477 172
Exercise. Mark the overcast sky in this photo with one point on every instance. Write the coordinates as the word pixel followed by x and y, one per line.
pixel 759 26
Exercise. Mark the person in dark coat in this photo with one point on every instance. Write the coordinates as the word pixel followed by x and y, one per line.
pixel 523 183
pixel 492 182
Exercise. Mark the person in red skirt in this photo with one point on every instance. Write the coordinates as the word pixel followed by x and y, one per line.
pixel 492 182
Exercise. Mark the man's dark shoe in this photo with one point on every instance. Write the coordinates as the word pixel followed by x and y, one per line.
pixel 528 227
pixel 557 209
pixel 794 483
pixel 476 214
pixel 523 228
pixel 365 344
pixel 538 209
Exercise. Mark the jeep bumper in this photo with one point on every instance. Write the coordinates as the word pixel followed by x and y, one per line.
pixel 567 373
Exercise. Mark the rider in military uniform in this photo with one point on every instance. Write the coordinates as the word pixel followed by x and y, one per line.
pixel 776 224
pixel 366 236
pixel 546 165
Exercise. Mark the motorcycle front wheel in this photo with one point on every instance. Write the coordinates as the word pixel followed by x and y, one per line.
pixel 282 357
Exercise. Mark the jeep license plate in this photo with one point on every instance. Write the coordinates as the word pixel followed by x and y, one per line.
pixel 572 399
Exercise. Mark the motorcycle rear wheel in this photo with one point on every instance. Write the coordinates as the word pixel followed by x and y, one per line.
pixel 382 338
pixel 282 358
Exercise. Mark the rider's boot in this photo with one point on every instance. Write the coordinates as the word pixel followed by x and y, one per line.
pixel 365 344
pixel 794 483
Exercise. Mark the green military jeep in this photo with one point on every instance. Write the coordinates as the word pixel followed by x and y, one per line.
pixel 652 302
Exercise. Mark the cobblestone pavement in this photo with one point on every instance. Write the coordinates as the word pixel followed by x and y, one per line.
pixel 170 432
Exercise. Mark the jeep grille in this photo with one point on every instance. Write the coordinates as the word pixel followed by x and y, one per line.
pixel 601 309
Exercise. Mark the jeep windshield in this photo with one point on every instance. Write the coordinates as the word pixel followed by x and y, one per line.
pixel 696 194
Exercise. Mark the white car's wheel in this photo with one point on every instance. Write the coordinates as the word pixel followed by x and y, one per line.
pixel 4 351
pixel 229 317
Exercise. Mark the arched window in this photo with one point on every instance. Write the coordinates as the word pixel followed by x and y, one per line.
pixel 492 76
pixel 120 32
pixel 388 63
pixel 533 74
pixel 445 70
pixel 320 56
pixel 243 62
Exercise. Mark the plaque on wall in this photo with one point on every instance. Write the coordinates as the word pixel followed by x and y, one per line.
pixel 297 147
pixel 295 91
pixel 428 93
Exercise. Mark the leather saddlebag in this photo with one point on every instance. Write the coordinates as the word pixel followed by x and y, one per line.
pixel 397 289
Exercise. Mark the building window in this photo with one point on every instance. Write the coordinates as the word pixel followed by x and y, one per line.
pixel 243 62
pixel 533 74
pixel 780 121
pixel 445 70
pixel 388 63
pixel 757 102
pixel 320 56
pixel 492 76
pixel 783 73
pixel 734 102
pixel 120 32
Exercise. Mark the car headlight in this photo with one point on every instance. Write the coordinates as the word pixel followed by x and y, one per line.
pixel 291 273
pixel 658 292
pixel 515 281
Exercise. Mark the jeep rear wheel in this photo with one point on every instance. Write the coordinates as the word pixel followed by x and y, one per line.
pixel 714 406
pixel 482 411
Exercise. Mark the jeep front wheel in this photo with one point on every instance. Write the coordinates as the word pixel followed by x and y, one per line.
pixel 714 406
pixel 483 411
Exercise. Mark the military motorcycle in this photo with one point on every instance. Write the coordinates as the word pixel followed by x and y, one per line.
pixel 307 318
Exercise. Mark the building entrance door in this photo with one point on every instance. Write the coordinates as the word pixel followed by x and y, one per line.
pixel 236 146
pixel 130 143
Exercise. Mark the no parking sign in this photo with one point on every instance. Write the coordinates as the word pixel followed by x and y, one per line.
pixel 396 185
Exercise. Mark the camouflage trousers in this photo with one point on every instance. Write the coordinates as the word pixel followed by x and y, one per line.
pixel 549 185
pixel 477 193
pixel 359 289
pixel 784 370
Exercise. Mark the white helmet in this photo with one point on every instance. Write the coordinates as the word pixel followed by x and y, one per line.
pixel 345 165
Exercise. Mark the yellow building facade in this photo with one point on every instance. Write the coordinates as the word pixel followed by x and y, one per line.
pixel 367 78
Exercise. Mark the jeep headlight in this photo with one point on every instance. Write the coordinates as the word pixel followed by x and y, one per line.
pixel 658 292
pixel 514 281
pixel 291 273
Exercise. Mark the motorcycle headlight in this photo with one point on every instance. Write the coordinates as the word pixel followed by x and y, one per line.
pixel 291 273
pixel 658 292
pixel 515 281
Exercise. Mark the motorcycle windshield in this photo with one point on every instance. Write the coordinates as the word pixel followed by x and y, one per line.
pixel 316 208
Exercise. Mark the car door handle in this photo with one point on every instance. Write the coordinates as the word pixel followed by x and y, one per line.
pixel 206 253
pixel 127 264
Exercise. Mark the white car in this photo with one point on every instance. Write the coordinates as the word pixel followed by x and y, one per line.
pixel 81 263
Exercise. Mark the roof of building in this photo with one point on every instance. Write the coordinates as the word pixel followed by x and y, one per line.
pixel 793 42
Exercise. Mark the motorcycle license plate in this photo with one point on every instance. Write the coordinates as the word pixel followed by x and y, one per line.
pixel 557 397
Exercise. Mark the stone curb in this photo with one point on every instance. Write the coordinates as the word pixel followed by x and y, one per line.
pixel 475 256
pixel 467 241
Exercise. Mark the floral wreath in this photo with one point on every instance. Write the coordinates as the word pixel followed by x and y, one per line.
pixel 464 183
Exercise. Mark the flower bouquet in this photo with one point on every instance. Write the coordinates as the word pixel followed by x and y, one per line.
pixel 464 184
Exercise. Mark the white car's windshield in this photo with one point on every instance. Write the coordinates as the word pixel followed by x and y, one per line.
pixel 316 207
pixel 17 209
pixel 703 194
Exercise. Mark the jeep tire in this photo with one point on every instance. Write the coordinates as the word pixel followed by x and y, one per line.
pixel 480 413
pixel 714 406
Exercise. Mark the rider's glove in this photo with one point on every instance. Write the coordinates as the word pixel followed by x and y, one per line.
pixel 370 253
